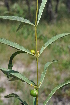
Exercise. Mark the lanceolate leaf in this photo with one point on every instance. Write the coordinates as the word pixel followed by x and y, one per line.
pixel 16 96
pixel 54 90
pixel 13 95
pixel 41 10
pixel 10 65
pixel 52 40
pixel 13 78
pixel 12 57
pixel 44 73
pixel 20 19
pixel 14 45
pixel 21 25
pixel 12 73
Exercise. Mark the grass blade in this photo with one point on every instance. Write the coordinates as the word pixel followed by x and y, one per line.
pixel 54 90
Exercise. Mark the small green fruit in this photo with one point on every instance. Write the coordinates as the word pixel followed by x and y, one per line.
pixel 34 93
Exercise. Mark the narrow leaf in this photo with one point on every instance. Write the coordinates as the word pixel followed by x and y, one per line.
pixel 12 73
pixel 20 19
pixel 13 78
pixel 41 10
pixel 10 65
pixel 21 25
pixel 14 45
pixel 16 96
pixel 54 90
pixel 44 73
pixel 12 57
pixel 50 41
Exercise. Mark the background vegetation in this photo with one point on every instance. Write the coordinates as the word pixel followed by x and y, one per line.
pixel 60 50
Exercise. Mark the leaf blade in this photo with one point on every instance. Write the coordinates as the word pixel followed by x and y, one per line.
pixel 50 41
pixel 16 96
pixel 12 73
pixel 44 72
pixel 14 45
pixel 12 57
pixel 41 10
pixel 16 18
pixel 54 90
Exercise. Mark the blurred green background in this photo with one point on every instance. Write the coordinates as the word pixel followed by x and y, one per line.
pixel 52 23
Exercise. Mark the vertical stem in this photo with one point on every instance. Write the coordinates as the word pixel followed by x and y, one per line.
pixel 36 48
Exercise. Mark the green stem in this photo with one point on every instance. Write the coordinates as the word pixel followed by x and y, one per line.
pixel 36 48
